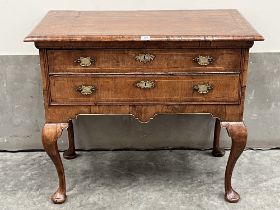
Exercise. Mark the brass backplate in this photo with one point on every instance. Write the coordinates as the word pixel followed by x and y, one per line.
pixel 145 57
pixel 203 88
pixel 204 60
pixel 145 84
pixel 86 89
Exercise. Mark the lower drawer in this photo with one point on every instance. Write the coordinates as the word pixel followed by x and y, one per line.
pixel 90 90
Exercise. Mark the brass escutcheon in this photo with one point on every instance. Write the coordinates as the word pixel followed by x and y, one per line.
pixel 86 89
pixel 85 61
pixel 204 60
pixel 145 84
pixel 144 57
pixel 203 89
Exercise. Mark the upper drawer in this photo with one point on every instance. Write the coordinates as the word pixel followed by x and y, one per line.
pixel 146 60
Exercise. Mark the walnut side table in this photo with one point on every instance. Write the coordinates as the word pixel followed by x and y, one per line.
pixel 144 63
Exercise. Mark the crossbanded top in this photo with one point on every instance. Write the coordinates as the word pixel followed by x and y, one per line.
pixel 175 25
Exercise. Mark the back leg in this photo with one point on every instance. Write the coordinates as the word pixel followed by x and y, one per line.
pixel 217 151
pixel 70 153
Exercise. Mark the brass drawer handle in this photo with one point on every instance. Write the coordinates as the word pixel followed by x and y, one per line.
pixel 85 61
pixel 146 84
pixel 203 89
pixel 204 60
pixel 144 57
pixel 86 89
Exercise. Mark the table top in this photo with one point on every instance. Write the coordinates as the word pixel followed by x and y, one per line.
pixel 176 25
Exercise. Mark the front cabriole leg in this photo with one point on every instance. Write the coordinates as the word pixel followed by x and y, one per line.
pixel 50 134
pixel 238 133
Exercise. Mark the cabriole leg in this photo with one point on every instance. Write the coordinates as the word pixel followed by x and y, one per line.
pixel 50 134
pixel 70 153
pixel 217 151
pixel 238 133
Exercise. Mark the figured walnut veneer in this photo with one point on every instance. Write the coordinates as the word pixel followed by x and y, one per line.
pixel 144 63
pixel 123 60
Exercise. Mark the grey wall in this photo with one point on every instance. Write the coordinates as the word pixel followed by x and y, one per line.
pixel 21 114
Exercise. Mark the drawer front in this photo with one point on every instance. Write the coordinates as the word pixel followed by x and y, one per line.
pixel 146 60
pixel 90 90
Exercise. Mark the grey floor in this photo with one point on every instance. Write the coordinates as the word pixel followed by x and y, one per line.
pixel 140 180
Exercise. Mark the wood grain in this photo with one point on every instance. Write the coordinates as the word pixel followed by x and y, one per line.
pixel 180 25
pixel 123 61
pixel 123 90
